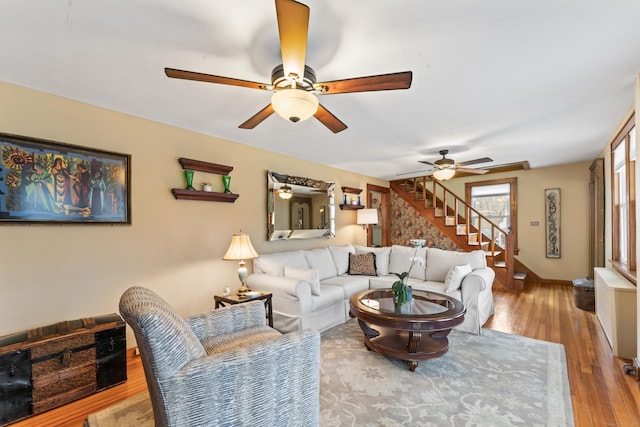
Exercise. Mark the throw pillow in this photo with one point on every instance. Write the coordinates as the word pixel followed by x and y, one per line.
pixel 309 275
pixel 455 276
pixel 382 258
pixel 362 264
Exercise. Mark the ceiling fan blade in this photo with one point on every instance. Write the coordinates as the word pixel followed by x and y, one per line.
pixel 334 124
pixel 257 118
pixel 391 81
pixel 209 78
pixel 475 162
pixel 293 26
pixel 472 171
pixel 426 162
pixel 410 173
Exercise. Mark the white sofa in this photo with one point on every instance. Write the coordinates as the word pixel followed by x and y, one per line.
pixel 311 288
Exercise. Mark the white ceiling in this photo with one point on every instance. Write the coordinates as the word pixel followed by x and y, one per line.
pixel 546 81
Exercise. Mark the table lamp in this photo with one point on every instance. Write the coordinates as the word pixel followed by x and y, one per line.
pixel 241 249
pixel 366 217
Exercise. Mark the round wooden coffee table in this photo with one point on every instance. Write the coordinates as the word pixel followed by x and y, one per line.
pixel 413 332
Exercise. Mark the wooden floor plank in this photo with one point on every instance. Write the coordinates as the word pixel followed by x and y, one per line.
pixel 601 394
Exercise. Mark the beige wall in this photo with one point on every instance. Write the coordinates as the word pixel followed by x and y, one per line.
pixel 53 273
pixel 573 181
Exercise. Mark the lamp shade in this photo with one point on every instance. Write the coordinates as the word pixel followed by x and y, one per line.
pixel 240 248
pixel 295 105
pixel 444 174
pixel 367 216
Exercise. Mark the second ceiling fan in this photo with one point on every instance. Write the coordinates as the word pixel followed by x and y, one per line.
pixel 445 168
pixel 293 83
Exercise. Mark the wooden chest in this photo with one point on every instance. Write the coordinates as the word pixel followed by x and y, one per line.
pixel 46 367
pixel 584 295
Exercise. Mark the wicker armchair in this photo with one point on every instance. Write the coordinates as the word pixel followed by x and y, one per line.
pixel 225 367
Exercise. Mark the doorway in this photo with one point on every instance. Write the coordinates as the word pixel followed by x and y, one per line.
pixel 379 198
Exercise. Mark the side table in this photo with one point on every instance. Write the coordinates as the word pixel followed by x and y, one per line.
pixel 236 298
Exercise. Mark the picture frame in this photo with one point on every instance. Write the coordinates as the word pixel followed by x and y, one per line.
pixel 552 222
pixel 49 182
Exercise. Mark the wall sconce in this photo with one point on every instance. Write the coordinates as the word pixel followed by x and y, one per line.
pixel 366 217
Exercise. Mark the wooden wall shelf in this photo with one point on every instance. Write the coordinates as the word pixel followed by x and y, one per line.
pixel 209 196
pixel 351 207
pixel 201 166
pixel 351 190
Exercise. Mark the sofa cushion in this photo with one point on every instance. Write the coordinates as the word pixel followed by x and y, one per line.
pixel 438 287
pixel 401 258
pixel 455 276
pixel 349 284
pixel 329 295
pixel 340 255
pixel 321 260
pixel 362 264
pixel 273 264
pixel 309 275
pixel 440 261
pixel 382 257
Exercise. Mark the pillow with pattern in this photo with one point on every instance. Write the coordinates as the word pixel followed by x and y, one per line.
pixel 362 264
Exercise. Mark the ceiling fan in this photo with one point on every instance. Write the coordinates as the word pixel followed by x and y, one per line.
pixel 445 168
pixel 293 83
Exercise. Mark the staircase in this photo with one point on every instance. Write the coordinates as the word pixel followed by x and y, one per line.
pixel 462 224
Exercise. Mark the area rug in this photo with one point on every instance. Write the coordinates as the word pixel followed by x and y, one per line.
pixel 494 379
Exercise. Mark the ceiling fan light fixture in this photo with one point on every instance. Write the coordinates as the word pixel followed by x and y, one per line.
pixel 444 174
pixel 295 105
pixel 285 192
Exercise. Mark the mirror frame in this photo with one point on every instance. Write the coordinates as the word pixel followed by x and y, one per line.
pixel 303 189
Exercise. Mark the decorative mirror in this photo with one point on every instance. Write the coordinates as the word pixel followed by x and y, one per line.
pixel 299 208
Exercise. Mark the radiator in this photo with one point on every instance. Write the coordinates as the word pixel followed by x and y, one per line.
pixel 616 307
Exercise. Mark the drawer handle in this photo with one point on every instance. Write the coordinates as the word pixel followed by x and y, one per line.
pixel 65 358
pixel 12 370
pixel 112 344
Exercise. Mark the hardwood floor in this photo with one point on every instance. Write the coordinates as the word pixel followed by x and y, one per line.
pixel 602 395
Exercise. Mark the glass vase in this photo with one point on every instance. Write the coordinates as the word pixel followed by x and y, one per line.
pixel 188 175
pixel 226 181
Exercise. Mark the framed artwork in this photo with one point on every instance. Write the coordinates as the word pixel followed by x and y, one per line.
pixel 47 182
pixel 552 221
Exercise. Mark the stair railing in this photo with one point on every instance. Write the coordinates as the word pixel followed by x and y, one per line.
pixel 440 197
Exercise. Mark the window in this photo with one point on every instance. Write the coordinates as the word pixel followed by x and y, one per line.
pixel 496 200
pixel 623 165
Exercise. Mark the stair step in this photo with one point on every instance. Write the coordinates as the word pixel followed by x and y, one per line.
pixel 478 243
pixel 439 212
pixel 519 276
pixel 462 230
pixel 450 221
pixel 500 264
pixel 489 253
